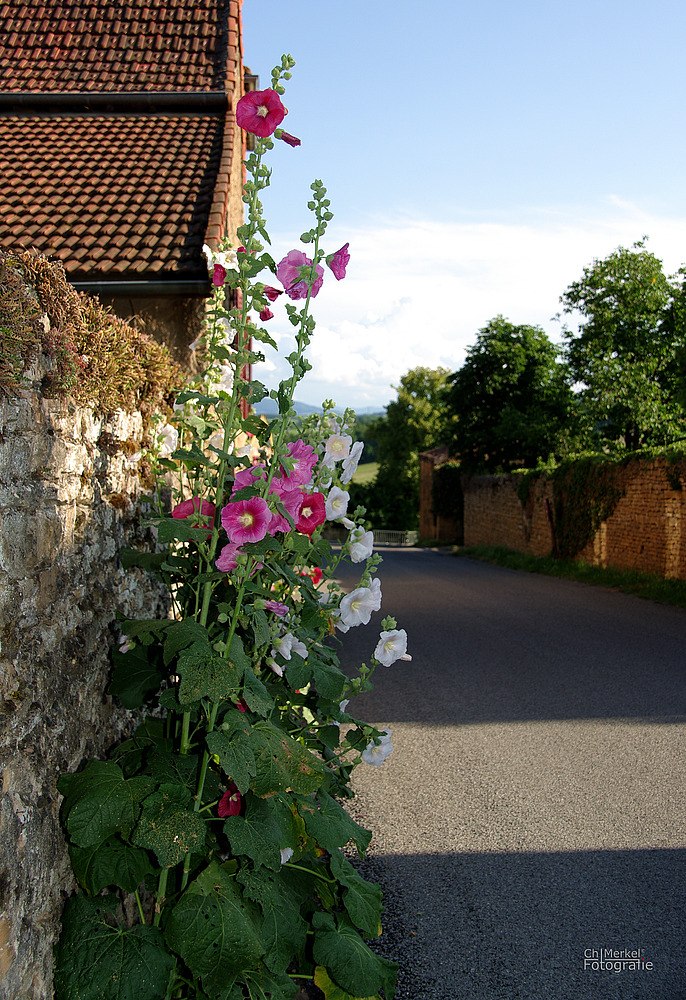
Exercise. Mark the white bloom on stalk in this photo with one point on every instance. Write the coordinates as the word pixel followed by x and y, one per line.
pixel 227 258
pixel 286 854
pixel 336 449
pixel 376 753
pixel 167 438
pixel 273 665
pixel 225 383
pixel 336 503
pixel 361 544
pixel 356 608
pixel 351 462
pixel 287 645
pixel 391 646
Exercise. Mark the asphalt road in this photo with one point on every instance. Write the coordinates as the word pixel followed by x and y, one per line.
pixel 532 814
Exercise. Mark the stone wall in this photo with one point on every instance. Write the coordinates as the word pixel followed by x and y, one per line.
pixel 68 504
pixel 433 527
pixel 646 531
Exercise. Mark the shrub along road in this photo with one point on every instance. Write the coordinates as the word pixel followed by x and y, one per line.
pixel 531 816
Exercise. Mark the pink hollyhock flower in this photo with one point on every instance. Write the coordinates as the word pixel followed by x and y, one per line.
pixel 246 520
pixel 288 273
pixel 249 477
pixel 242 705
pixel 312 513
pixel 304 460
pixel 272 293
pixel 260 112
pixel 339 261
pixel 291 498
pixel 230 802
pixel 227 561
pixel 286 137
pixel 218 275
pixel 194 506
pixel 266 314
pixel 276 608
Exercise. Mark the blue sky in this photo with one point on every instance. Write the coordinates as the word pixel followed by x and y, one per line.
pixel 477 157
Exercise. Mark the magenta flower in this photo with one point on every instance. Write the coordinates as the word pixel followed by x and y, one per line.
pixel 286 137
pixel 277 608
pixel 312 513
pixel 246 520
pixel 272 293
pixel 260 112
pixel 291 498
pixel 305 459
pixel 226 560
pixel 218 275
pixel 190 507
pixel 230 802
pixel 339 261
pixel 247 477
pixel 266 314
pixel 288 273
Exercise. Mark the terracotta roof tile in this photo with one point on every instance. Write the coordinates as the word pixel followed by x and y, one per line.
pixel 103 45
pixel 121 213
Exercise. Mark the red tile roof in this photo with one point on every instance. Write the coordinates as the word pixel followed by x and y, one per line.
pixel 123 45
pixel 116 195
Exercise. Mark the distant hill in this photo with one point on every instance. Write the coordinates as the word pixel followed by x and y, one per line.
pixel 268 408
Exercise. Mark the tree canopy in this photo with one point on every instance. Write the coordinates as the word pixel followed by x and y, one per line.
pixel 511 400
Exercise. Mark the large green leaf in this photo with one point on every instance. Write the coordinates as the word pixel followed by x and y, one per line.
pixel 232 744
pixel 331 990
pixel 99 802
pixel 361 899
pixel 256 835
pixel 95 961
pixel 215 930
pixel 168 826
pixel 282 763
pixel 284 934
pixel 255 694
pixel 206 674
pixel 134 677
pixel 264 985
pixel 112 863
pixel 349 961
pixel 330 825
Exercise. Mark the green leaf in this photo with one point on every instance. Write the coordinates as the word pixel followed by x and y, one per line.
pixel 174 768
pixel 264 985
pixel 237 654
pixel 182 634
pixel 330 825
pixel 95 961
pixel 330 989
pixel 283 763
pixel 174 529
pixel 111 863
pixel 134 677
pixel 146 560
pixel 232 744
pixel 168 827
pixel 350 962
pixel 361 899
pixel 284 933
pixel 256 835
pixel 215 930
pixel 255 694
pixel 100 802
pixel 260 625
pixel 206 674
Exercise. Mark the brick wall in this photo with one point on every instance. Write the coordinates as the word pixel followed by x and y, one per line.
pixel 646 531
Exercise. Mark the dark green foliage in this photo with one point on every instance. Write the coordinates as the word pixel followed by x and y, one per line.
pixel 585 492
pixel 447 496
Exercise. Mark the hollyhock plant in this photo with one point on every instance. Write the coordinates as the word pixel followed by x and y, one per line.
pixel 360 544
pixel 351 462
pixel 228 558
pixel 266 314
pixel 219 275
pixel 230 802
pixel 289 274
pixel 376 753
pixel 286 137
pixel 260 112
pixel 336 503
pixel 246 520
pixel 339 261
pixel 194 506
pixel 303 459
pixel 272 293
pixel 312 513
pixel 276 608
pixel 391 646
pixel 356 608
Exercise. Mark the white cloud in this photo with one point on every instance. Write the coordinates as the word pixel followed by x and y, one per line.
pixel 417 291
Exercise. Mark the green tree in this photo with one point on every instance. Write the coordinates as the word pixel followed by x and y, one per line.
pixel 628 351
pixel 511 401
pixel 413 422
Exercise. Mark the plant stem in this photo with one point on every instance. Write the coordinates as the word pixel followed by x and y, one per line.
pixel 161 890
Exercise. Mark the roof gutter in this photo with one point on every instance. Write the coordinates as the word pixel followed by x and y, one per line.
pixel 154 289
pixel 99 102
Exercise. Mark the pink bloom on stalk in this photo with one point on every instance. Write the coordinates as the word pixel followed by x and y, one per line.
pixel 266 314
pixel 291 498
pixel 339 261
pixel 194 506
pixel 272 293
pixel 247 477
pixel 312 513
pixel 246 520
pixel 288 273
pixel 227 561
pixel 230 802
pixel 260 112
pixel 241 705
pixel 218 275
pixel 305 458
pixel 276 608
pixel 286 137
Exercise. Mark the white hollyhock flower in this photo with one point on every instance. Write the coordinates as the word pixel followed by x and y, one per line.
pixel 168 438
pixel 287 645
pixel 351 462
pixel 375 587
pixel 391 646
pixel 376 753
pixel 336 503
pixel 361 544
pixel 227 258
pixel 356 608
pixel 337 447
pixel 225 382
pixel 286 854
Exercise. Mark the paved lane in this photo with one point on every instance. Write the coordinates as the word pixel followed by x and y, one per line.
pixel 533 809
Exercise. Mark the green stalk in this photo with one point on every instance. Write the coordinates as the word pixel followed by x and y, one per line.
pixel 161 891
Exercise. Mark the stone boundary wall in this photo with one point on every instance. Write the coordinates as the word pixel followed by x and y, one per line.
pixel 433 527
pixel 68 504
pixel 646 531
